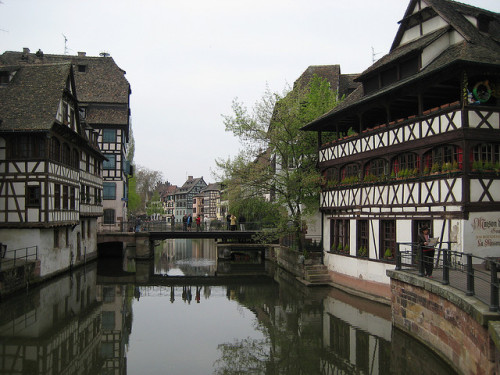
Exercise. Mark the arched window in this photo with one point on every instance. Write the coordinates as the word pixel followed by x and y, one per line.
pixel 330 176
pixel 349 173
pixel 375 169
pixel 75 159
pixel 55 149
pixel 443 157
pixel 65 155
pixel 405 162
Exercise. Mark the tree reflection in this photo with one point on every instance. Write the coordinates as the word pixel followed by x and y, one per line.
pixel 247 356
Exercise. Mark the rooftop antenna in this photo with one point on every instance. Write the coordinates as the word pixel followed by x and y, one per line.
pixel 374 54
pixel 65 44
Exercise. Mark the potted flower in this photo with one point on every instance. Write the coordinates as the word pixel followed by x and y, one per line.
pixel 388 254
pixel 346 249
pixel 435 169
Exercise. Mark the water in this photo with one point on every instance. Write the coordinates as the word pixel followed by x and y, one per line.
pixel 104 319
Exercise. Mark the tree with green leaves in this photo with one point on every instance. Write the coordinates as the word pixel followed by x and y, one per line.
pixel 279 161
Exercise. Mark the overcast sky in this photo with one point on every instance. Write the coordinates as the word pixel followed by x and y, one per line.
pixel 186 60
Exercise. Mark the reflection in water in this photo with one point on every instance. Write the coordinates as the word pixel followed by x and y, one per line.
pixel 82 324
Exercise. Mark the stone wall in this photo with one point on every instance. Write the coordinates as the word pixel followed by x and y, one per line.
pixel 294 262
pixel 455 327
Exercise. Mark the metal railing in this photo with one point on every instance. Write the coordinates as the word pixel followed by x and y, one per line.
pixel 475 276
pixel 13 257
pixel 164 226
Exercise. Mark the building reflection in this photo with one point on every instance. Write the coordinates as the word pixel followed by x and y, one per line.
pixel 55 329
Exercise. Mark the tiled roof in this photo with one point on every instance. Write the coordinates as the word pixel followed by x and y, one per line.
pixel 103 81
pixel 477 48
pixel 106 115
pixel 343 83
pixel 30 100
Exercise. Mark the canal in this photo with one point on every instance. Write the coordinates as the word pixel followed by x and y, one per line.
pixel 121 317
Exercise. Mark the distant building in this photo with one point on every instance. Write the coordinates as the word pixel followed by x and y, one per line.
pixel 184 196
pixel 212 201
pixel 167 196
pixel 50 166
pixel 104 103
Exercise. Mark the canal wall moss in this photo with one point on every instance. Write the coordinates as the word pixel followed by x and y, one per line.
pixel 448 321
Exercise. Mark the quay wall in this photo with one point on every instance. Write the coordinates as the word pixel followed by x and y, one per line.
pixel 445 319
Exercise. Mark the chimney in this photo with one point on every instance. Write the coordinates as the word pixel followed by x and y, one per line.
pixel 26 51
pixel 82 54
pixel 190 178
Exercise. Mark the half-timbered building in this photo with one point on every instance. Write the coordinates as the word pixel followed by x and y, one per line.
pixel 184 196
pixel 104 98
pixel 419 144
pixel 50 167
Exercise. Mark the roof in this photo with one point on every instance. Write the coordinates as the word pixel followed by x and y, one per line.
pixel 343 83
pixel 477 48
pixel 189 185
pixel 31 99
pixel 102 82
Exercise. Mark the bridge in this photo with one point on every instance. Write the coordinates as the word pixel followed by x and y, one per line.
pixel 112 243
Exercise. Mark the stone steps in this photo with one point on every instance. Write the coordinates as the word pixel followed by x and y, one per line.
pixel 317 274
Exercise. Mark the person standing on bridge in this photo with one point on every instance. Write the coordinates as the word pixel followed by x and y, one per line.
pixel 189 222
pixel 172 222
pixel 184 222
pixel 198 223
pixel 233 222
pixel 427 250
pixel 206 223
pixel 228 221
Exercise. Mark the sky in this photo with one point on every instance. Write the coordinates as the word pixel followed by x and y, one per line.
pixel 186 60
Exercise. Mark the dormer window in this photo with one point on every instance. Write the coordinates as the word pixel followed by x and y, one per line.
pixel 483 24
pixel 82 68
pixel 4 78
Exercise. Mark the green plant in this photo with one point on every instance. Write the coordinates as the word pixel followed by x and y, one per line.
pixel 447 167
pixel 477 165
pixel 362 252
pixel 388 253
pixel 488 166
pixel 435 168
pixel 426 170
pixel 454 165
pixel 346 249
pixel 393 174
pixel 339 248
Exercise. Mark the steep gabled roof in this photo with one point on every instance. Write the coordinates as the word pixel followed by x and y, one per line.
pixel 477 47
pixel 31 99
pixel 342 83
pixel 101 82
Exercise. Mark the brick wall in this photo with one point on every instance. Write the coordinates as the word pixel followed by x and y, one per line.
pixel 459 337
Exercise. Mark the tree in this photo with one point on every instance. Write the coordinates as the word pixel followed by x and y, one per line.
pixel 280 160
pixel 141 188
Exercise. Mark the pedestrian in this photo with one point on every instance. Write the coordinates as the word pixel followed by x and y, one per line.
pixel 228 221
pixel 184 222
pixel 206 222
pixel 233 222
pixel 189 222
pixel 242 222
pixel 198 223
pixel 427 250
pixel 172 222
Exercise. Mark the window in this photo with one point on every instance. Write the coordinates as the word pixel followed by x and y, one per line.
pixel 65 156
pixel 33 196
pixel 407 161
pixel 439 157
pixel 339 235
pixel 82 68
pixel 109 135
pixel 375 169
pixel 387 237
pixel 72 198
pixel 25 146
pixel 363 238
pixel 75 159
pixel 65 197
pixel 486 153
pixel 109 190
pixel 55 149
pixel 350 173
pixel 57 197
pixel 110 163
pixel 109 216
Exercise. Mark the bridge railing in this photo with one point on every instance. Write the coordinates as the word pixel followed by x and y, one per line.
pixel 16 256
pixel 164 226
pixel 474 275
